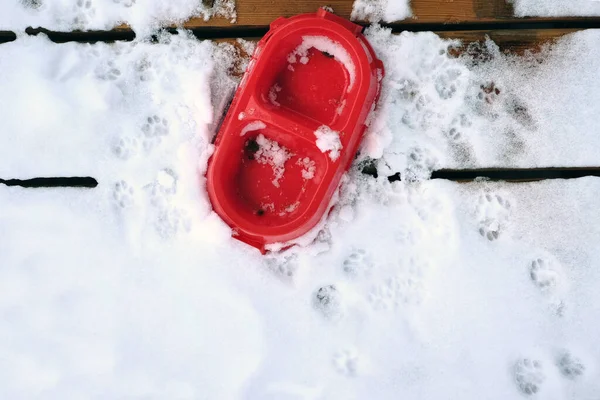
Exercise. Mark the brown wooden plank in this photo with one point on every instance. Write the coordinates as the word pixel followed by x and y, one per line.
pixel 509 41
pixel 263 12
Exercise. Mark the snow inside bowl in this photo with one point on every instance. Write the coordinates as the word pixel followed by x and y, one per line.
pixel 293 127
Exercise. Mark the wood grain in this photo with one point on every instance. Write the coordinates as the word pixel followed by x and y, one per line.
pixel 263 12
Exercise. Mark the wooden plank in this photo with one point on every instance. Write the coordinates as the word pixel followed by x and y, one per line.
pixel 263 12
pixel 509 41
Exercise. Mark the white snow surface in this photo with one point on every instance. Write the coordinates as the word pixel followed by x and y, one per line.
pixel 142 16
pixel 484 109
pixel 556 8
pixel 431 289
pixel 380 10
pixel 328 141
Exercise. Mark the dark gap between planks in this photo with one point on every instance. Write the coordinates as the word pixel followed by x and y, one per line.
pixel 73 182
pixel 233 31
pixel 514 175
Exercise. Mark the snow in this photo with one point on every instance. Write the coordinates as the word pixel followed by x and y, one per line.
pixel 380 10
pixel 328 141
pixel 252 126
pixel 142 16
pixel 309 167
pixel 433 289
pixel 556 8
pixel 483 109
pixel 276 88
pixel 271 153
pixel 324 44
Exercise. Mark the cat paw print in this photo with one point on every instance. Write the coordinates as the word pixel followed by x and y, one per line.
pixel 171 222
pixel 153 129
pixel 455 132
pixel 108 71
pixel 545 274
pixel 123 194
pixel 125 147
pixel 125 3
pixel 404 289
pixel 528 375
pixel 84 12
pixel 446 84
pixel 569 366
pixel 488 93
pixel 406 90
pixel 358 262
pixel 493 212
pixel 346 362
pixel 327 300
pixel 419 165
pixel 163 188
pixel 32 4
pixel 143 69
pixel 283 265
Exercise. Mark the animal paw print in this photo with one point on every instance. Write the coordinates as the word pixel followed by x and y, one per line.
pixel 420 165
pixel 570 366
pixel 172 221
pixel 529 375
pixel 125 147
pixel 84 12
pixel 346 362
pixel 488 93
pixel 446 83
pixel 406 288
pixel 153 130
pixel 33 4
pixel 454 134
pixel 407 90
pixel 123 194
pixel 493 215
pixel 544 274
pixel 357 262
pixel 108 72
pixel 143 68
pixel 327 300
pixel 125 3
pixel 164 186
pixel 381 298
pixel 283 265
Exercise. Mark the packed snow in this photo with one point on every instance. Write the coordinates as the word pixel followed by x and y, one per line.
pixel 556 8
pixel 328 141
pixel 432 289
pixel 324 44
pixel 380 10
pixel 142 16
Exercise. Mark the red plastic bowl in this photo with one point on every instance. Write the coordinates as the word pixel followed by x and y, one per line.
pixel 268 179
